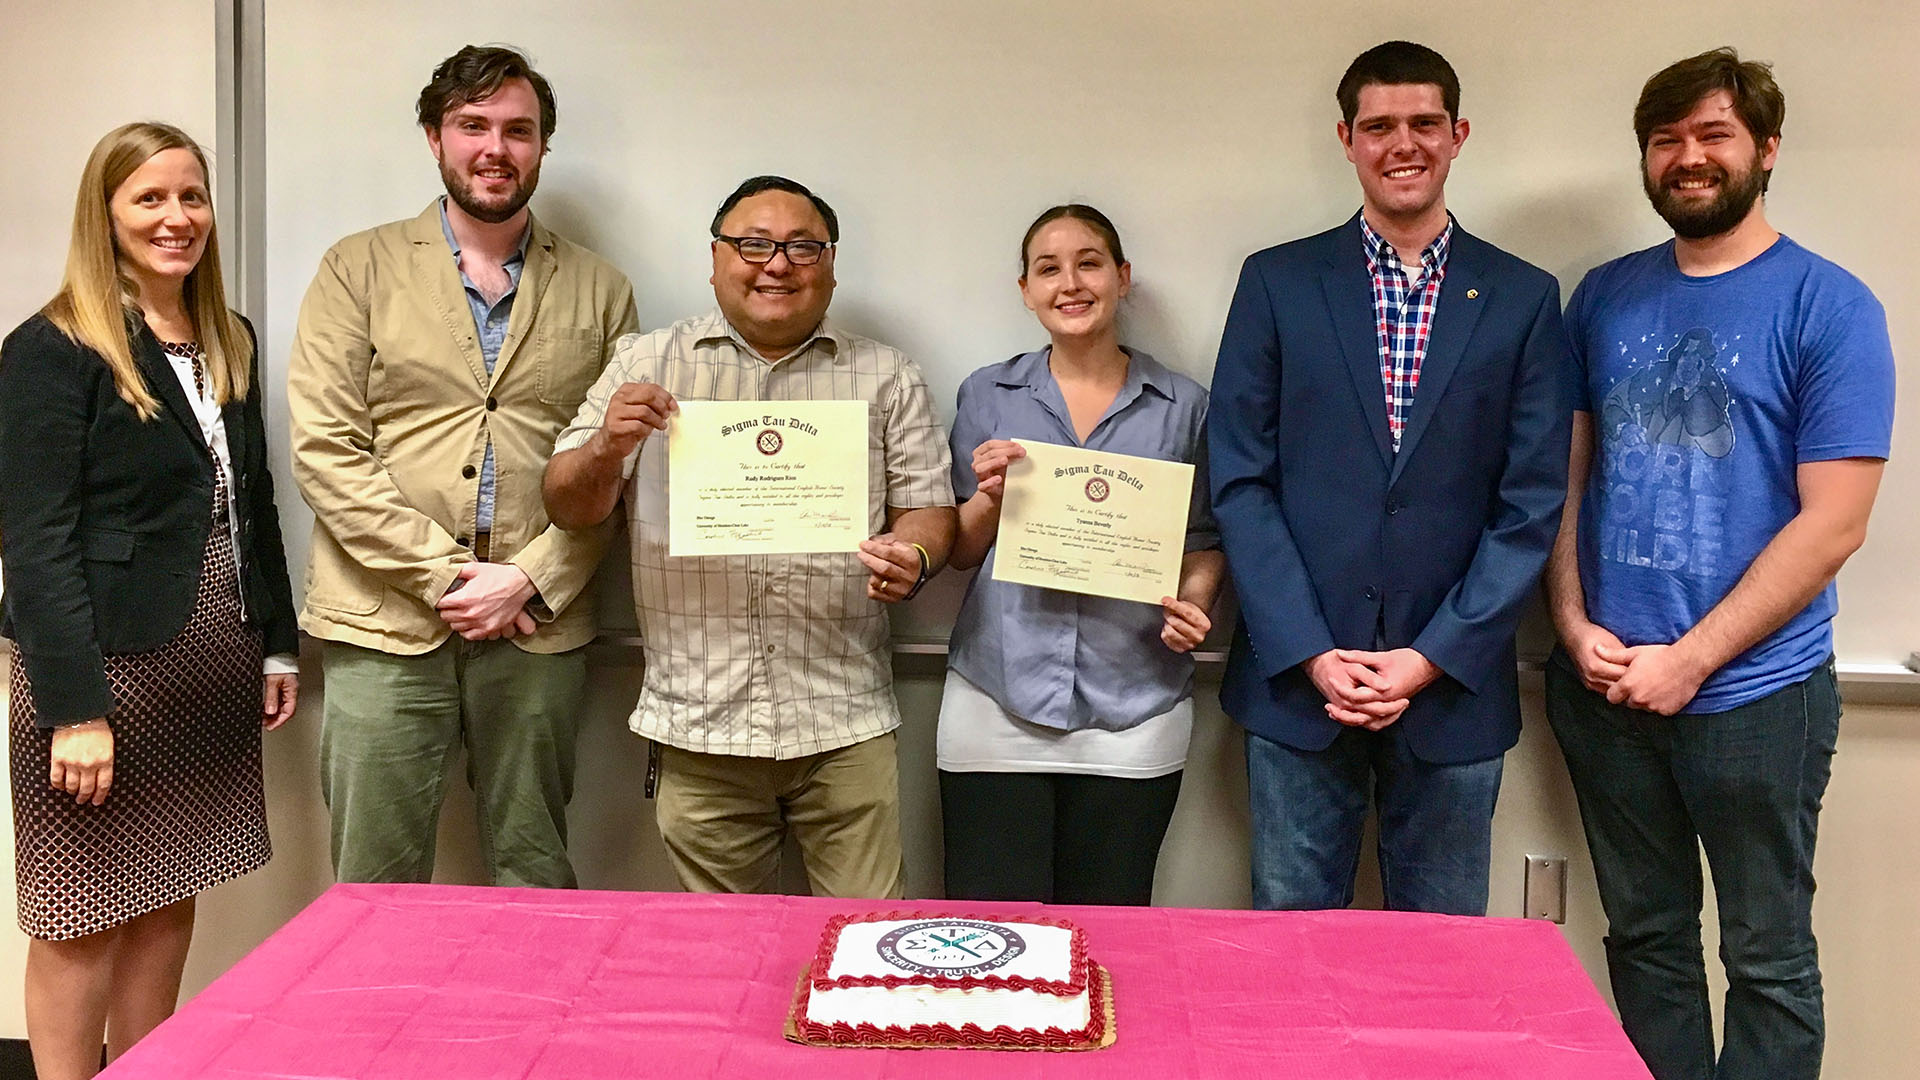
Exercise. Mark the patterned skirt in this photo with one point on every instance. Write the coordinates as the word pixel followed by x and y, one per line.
pixel 187 809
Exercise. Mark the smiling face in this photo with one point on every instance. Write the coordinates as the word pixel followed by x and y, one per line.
pixel 774 304
pixel 1401 143
pixel 1704 172
pixel 489 152
pixel 162 218
pixel 1072 284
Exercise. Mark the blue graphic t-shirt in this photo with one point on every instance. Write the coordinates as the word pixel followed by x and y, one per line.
pixel 1706 394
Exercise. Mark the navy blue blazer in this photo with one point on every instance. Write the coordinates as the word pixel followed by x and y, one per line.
pixel 1332 538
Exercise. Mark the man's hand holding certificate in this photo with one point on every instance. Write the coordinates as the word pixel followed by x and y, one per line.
pixel 1096 523
pixel 767 477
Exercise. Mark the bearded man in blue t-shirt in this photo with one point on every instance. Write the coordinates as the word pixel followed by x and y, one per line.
pixel 1735 415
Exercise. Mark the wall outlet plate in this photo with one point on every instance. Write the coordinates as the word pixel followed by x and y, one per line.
pixel 1546 888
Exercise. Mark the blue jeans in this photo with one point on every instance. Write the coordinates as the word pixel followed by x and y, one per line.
pixel 1745 785
pixel 1436 824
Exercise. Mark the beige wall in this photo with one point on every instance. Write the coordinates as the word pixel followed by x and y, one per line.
pixel 938 130
pixel 74 65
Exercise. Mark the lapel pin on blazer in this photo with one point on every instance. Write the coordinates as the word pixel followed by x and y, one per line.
pixel 1472 293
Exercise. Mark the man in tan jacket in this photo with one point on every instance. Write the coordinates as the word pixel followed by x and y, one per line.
pixel 436 359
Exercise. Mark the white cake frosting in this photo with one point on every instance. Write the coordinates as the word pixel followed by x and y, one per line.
pixel 899 973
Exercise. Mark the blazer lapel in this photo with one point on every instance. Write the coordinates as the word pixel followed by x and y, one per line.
pixel 158 371
pixel 534 275
pixel 1463 296
pixel 233 415
pixel 435 273
pixel 1349 293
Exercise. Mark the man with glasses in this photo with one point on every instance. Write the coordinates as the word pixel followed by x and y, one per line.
pixel 434 363
pixel 768 693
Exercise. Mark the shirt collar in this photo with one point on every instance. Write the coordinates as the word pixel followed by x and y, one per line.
pixel 1379 251
pixel 446 229
pixel 1143 373
pixel 715 328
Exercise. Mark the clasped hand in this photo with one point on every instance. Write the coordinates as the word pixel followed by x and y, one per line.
pixel 487 601
pixel 1652 678
pixel 1367 689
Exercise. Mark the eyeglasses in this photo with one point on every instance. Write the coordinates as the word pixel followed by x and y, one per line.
pixel 759 249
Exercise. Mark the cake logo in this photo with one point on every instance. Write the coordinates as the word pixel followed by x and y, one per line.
pixel 950 947
pixel 1098 490
pixel 768 443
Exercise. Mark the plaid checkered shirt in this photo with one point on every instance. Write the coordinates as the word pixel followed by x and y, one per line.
pixel 1403 316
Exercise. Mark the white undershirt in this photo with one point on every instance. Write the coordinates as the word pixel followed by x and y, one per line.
pixel 977 735
pixel 214 430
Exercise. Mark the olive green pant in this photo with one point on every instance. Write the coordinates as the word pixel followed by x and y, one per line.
pixel 724 818
pixel 390 726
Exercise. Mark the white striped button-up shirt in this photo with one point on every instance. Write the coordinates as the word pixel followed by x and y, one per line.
pixel 775 656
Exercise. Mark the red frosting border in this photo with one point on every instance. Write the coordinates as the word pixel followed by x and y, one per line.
pixel 1075 983
pixel 841 1033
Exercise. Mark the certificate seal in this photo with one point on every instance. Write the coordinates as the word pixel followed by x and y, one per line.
pixel 1098 490
pixel 768 443
pixel 950 947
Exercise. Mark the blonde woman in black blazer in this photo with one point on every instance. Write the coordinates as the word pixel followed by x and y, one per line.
pixel 146 595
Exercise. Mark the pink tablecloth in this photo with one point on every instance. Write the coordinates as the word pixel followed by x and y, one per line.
pixel 415 982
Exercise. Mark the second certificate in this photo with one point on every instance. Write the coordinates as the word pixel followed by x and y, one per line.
pixel 766 477
pixel 1088 522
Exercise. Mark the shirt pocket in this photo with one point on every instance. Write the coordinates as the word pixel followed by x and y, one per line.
pixel 570 361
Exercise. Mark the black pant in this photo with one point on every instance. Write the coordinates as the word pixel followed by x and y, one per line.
pixel 1054 837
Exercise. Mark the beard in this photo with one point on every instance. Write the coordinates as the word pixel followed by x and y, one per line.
pixel 1692 220
pixel 460 190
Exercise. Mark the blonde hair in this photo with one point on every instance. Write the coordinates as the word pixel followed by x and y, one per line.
pixel 98 305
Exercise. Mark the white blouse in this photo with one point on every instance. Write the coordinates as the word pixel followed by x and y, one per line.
pixel 214 429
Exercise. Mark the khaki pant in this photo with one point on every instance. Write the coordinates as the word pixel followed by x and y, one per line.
pixel 724 818
pixel 389 726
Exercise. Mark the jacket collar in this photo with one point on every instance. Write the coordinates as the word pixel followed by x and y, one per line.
pixel 435 271
pixel 158 372
pixel 1347 284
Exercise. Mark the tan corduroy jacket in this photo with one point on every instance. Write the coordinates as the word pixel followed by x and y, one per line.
pixel 391 409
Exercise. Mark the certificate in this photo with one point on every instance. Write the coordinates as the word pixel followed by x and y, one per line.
pixel 1088 522
pixel 766 477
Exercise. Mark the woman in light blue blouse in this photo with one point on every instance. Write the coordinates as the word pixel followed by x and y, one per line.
pixel 1065 721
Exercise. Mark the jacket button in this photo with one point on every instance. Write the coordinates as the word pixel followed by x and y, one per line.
pixel 1373 592
pixel 492 404
pixel 462 541
pixel 1393 506
pixel 469 471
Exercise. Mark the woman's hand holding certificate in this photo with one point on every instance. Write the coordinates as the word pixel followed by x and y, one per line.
pixel 767 477
pixel 1095 523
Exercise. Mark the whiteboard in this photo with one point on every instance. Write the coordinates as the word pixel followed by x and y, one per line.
pixel 1205 129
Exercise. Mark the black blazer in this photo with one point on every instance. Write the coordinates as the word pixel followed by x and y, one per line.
pixel 104 517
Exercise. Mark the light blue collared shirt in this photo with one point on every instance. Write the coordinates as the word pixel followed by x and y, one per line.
pixel 490 322
pixel 1060 659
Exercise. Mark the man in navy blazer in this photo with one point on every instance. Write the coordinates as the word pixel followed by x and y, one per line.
pixel 1388 445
